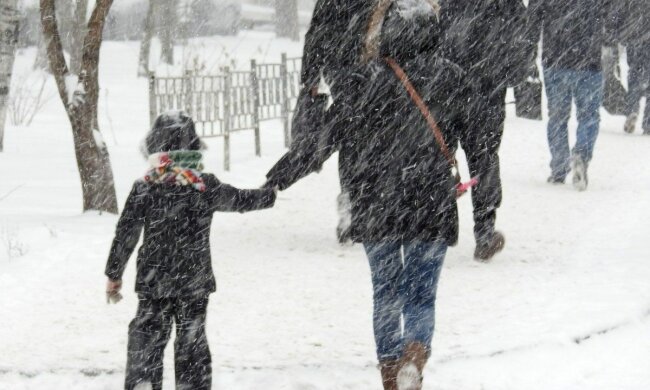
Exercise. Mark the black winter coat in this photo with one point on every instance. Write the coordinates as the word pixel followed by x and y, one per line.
pixel 400 184
pixel 174 259
pixel 573 32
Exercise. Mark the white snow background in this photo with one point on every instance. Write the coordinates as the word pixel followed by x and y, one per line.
pixel 565 306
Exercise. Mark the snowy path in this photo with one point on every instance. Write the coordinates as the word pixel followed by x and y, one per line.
pixel 565 306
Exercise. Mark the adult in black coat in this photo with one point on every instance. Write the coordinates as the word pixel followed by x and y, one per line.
pixel 486 38
pixel 634 34
pixel 174 205
pixel 401 185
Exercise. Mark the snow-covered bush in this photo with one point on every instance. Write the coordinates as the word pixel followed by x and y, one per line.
pixel 27 97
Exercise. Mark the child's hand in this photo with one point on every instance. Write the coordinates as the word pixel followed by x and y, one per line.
pixel 113 288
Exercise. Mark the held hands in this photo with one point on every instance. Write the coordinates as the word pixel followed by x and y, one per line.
pixel 270 184
pixel 113 288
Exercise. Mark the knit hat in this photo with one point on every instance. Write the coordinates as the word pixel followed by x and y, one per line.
pixel 172 130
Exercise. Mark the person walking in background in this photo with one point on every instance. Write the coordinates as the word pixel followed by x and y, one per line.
pixel 573 34
pixel 174 204
pixel 485 38
pixel 635 37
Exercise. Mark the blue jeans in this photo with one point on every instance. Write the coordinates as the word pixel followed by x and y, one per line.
pixel 563 85
pixel 404 280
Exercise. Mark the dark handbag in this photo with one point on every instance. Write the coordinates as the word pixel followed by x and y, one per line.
pixel 528 98
pixel 308 116
pixel 614 94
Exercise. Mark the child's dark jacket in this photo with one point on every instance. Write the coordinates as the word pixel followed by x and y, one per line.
pixel 174 259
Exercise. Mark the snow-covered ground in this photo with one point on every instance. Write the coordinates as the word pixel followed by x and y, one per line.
pixel 565 306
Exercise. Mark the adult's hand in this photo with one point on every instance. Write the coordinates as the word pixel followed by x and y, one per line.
pixel 113 288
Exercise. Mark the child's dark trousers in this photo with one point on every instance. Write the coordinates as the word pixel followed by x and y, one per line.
pixel 149 333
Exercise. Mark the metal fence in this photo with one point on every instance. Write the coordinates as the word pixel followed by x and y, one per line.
pixel 232 100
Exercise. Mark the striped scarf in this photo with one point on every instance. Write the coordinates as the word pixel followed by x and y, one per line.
pixel 182 168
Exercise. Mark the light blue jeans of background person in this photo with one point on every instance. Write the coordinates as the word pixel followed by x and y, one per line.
pixel 404 280
pixel 563 86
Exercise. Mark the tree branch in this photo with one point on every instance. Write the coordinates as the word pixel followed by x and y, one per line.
pixel 58 66
pixel 93 40
pixel 90 57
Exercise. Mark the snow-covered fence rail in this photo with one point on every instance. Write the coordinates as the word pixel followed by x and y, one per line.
pixel 232 100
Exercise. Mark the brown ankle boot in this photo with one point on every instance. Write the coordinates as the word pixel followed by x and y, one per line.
pixel 409 376
pixel 389 370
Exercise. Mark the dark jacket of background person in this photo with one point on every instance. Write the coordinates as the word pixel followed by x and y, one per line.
pixel 573 32
pixel 632 20
pixel 333 39
pixel 487 39
pixel 400 184
pixel 174 259
pixel 634 27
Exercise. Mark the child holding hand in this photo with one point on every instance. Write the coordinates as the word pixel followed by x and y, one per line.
pixel 173 204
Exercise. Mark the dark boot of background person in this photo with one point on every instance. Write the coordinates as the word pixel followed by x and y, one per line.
pixel 630 123
pixel 409 376
pixel 486 249
pixel 389 369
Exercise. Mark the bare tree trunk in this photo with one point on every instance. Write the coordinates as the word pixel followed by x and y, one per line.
pixel 145 45
pixel 286 19
pixel 78 33
pixel 80 99
pixel 166 27
pixel 8 39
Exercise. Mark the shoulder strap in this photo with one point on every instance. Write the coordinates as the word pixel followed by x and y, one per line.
pixel 415 97
pixel 461 188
